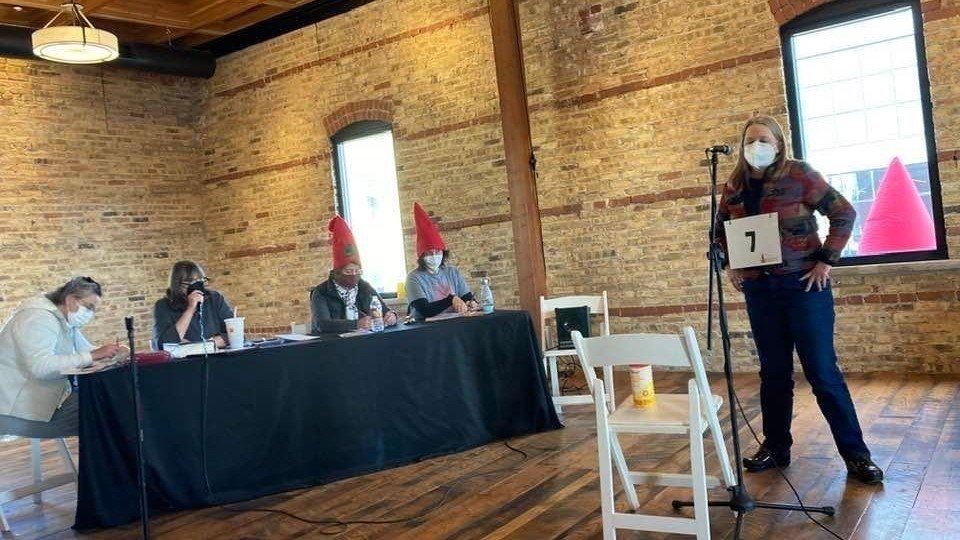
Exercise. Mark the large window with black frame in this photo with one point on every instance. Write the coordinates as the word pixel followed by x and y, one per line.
pixel 859 105
pixel 365 175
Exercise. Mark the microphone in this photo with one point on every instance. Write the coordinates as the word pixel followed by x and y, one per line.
pixel 197 285
pixel 721 149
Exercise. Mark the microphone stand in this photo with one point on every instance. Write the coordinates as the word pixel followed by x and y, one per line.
pixel 203 396
pixel 740 500
pixel 137 403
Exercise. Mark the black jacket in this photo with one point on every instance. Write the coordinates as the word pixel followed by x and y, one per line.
pixel 329 311
pixel 165 317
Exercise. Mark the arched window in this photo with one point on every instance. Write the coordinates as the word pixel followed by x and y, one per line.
pixel 859 103
pixel 365 173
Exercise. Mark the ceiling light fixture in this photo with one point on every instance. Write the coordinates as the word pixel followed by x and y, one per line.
pixel 79 43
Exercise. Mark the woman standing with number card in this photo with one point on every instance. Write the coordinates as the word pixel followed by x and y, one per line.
pixel 790 304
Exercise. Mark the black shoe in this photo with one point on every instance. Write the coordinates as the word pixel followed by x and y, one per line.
pixel 766 459
pixel 864 470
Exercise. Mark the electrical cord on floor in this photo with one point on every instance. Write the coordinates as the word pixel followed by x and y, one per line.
pixel 784 475
pixel 566 371
pixel 332 527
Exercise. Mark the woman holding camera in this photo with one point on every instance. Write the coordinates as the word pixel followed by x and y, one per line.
pixel 176 316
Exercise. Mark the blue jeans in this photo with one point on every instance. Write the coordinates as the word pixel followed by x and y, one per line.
pixel 785 317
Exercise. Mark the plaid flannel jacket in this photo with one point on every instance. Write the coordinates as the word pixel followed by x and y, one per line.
pixel 794 194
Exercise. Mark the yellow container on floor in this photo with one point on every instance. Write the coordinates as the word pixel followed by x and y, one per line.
pixel 641 380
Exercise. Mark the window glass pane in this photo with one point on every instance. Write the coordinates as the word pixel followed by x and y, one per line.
pixel 878 90
pixel 860 110
pixel 368 184
pixel 882 124
pixel 847 95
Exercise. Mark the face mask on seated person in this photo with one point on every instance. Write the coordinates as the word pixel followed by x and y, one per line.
pixel 81 317
pixel 759 155
pixel 348 282
pixel 432 262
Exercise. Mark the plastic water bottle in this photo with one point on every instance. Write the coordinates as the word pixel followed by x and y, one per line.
pixel 486 296
pixel 376 313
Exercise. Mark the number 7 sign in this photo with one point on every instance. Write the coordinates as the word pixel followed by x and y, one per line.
pixel 753 241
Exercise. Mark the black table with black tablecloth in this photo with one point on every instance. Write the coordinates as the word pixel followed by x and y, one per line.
pixel 245 424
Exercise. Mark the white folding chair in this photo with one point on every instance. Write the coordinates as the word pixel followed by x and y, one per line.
pixel 39 485
pixel 597 306
pixel 692 413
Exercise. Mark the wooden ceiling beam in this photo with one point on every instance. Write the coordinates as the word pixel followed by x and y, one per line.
pixel 110 11
pixel 159 36
pixel 211 11
pixel 89 6
pixel 159 21
pixel 54 5
pixel 203 18
pixel 49 5
pixel 142 14
pixel 202 35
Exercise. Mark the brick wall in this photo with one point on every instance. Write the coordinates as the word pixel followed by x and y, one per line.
pixel 625 105
pixel 424 65
pixel 624 97
pixel 97 177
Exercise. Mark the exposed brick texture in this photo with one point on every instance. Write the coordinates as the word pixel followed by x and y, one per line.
pixel 786 10
pixel 621 117
pixel 425 66
pixel 624 95
pixel 97 178
pixel 370 109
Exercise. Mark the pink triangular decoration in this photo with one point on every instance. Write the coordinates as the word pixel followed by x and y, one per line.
pixel 898 219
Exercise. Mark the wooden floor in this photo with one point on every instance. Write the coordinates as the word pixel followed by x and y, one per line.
pixel 912 424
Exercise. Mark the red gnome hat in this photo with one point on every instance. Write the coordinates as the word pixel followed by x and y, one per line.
pixel 898 219
pixel 428 235
pixel 343 244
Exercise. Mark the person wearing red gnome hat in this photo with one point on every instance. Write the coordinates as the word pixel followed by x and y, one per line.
pixel 342 302
pixel 434 286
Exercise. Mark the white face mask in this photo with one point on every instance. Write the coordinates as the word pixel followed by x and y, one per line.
pixel 760 155
pixel 433 261
pixel 82 316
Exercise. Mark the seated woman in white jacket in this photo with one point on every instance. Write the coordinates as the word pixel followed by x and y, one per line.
pixel 40 340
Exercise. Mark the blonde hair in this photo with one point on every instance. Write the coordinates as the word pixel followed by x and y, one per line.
pixel 741 172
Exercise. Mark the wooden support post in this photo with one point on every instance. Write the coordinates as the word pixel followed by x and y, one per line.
pixel 518 147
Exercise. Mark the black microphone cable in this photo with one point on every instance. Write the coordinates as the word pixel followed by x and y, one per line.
pixel 333 526
pixel 783 475
pixel 205 375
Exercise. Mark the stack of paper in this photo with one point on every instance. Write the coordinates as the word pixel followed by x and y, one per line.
pixel 296 337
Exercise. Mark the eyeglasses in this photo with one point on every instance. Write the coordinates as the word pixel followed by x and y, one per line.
pixel 88 305
pixel 188 282
pixel 352 271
